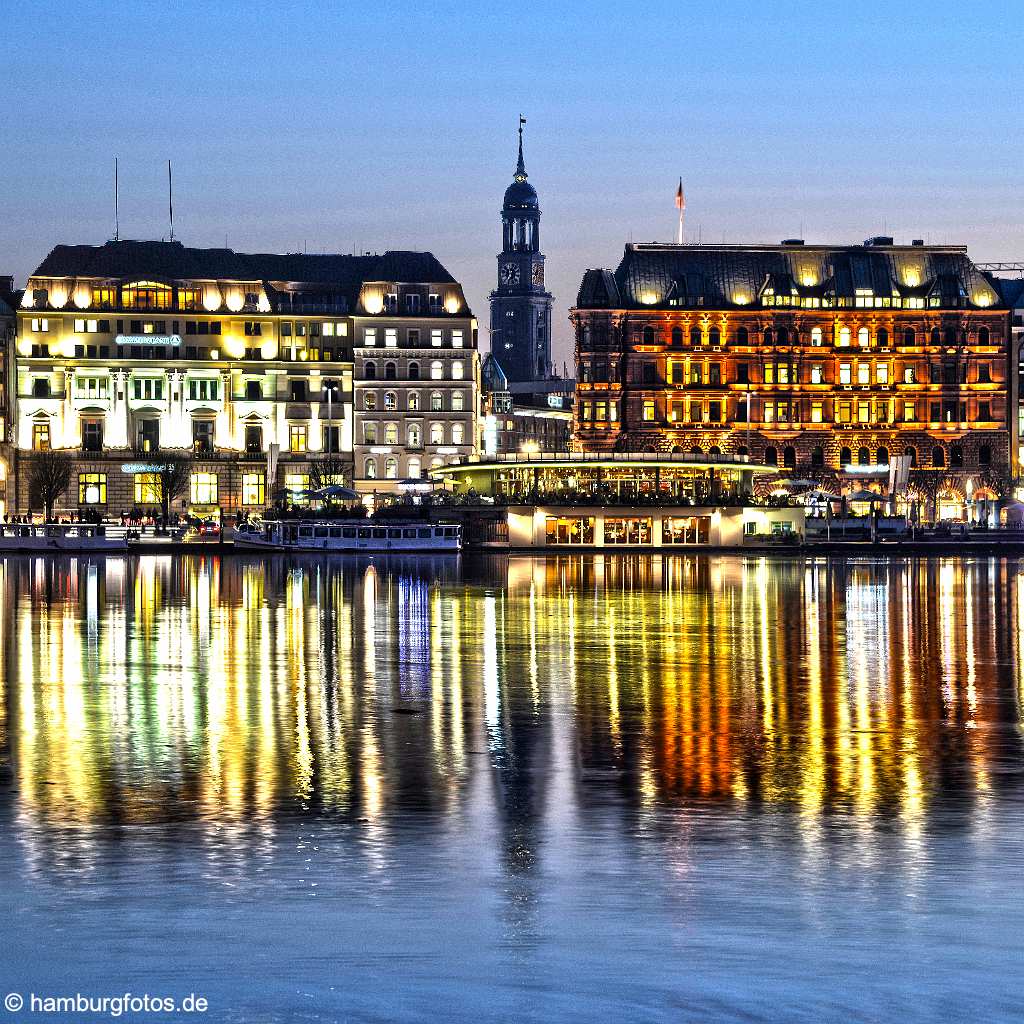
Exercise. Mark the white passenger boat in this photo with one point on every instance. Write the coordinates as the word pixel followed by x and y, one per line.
pixel 58 538
pixel 362 536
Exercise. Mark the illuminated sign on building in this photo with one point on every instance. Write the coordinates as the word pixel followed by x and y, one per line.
pixel 148 339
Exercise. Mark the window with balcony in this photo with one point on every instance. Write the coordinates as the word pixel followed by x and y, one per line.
pixel 148 435
pixel 92 435
pixel 202 437
pixel 203 389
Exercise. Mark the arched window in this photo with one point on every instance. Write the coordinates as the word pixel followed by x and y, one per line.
pixel 912 452
pixel 436 461
pixel 436 403
pixel 789 457
pixel 742 336
pixel 715 451
pixel 677 335
pixel 369 401
pixel 390 372
pixel 458 433
pixel 845 456
pixel 457 369
pixel 391 468
pixel 985 455
pixel 696 451
pixel 844 336
pixel 415 468
pixel 715 336
pixel 414 371
pixel 956 456
pixel 457 401
pixel 695 336
pixel 909 337
pixel 413 402
pixel 882 336
pixel 771 456
pixel 782 336
pixel 863 337
pixel 437 433
pixel 864 456
pixel 437 370
pixel 370 370
pixel 414 435
pixel 817 456
pixel 370 469
pixel 742 450
pixel 648 335
pixel 938 456
pixel 391 433
pixel 816 336
pixel 983 335
pixel 390 401
pixel 768 336
pixel 882 456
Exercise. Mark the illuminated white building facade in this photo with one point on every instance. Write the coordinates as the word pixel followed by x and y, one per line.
pixel 243 362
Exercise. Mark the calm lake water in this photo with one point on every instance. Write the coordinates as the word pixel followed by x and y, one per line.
pixel 669 789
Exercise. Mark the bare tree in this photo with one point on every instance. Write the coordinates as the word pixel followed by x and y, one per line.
pixel 327 469
pixel 174 473
pixel 49 477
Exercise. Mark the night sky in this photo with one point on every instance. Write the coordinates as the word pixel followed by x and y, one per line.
pixel 351 126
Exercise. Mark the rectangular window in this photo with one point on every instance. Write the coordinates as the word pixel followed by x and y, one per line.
pixel 863 412
pixel 769 373
pixel 254 488
pixel 92 435
pixel 147 488
pixel 817 374
pixel 370 336
pixel 909 412
pixel 843 415
pixel 686 530
pixel 203 389
pixel 559 530
pixel 627 531
pixel 648 411
pixel 203 489
pixel 882 373
pixel 297 437
pixel 984 373
pixel 742 373
pixel 41 436
pixel 715 412
pixel 295 484
pixel 456 339
pixel 984 412
pixel 782 373
pixel 390 337
pixel 863 373
pixel 844 373
pixel 436 338
pixel 92 488
pixel 817 412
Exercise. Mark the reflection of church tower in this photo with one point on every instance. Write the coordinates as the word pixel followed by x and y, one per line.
pixel 520 307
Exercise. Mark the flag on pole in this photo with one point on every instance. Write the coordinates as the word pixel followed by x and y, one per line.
pixel 680 201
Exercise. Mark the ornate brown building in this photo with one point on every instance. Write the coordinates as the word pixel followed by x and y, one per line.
pixel 798 355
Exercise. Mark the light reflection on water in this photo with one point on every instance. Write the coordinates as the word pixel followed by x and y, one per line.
pixel 727 786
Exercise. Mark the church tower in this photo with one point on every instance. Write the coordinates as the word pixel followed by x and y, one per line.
pixel 520 306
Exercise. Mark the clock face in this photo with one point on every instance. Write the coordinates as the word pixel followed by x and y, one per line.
pixel 538 273
pixel 510 273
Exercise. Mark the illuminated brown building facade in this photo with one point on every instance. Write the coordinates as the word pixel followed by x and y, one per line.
pixel 798 356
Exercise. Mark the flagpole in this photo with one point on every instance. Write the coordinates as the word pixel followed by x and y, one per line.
pixel 681 206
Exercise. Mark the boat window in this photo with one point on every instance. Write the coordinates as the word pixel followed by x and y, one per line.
pixel 422 533
pixel 395 534
pixel 335 531
pixel 349 532
pixel 320 531
pixel 380 534
pixel 408 533
pixel 364 533
pixel 305 531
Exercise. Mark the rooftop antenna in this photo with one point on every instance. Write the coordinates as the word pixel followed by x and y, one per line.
pixel 170 199
pixel 117 226
pixel 681 207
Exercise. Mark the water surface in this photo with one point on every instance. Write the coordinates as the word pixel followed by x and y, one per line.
pixel 638 788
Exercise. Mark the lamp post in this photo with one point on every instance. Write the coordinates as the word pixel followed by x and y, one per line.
pixel 750 395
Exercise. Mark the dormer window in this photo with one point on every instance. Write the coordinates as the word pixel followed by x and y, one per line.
pixel 147 295
pixel 412 303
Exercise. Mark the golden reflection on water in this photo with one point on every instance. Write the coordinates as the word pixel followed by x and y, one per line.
pixel 152 690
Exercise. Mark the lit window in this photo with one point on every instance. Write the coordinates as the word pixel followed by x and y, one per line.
pixel 41 436
pixel 437 370
pixel 415 435
pixel 457 369
pixel 882 373
pixel 254 488
pixel 458 433
pixel 204 489
pixel 844 374
pixel 413 401
pixel 817 375
pixel 92 488
pixel 391 433
pixel 817 412
pixel 863 412
pixel 457 401
pixel 147 488
pixel 816 336
pixel 436 433
pixel 436 402
pixel 436 338
pixel 648 412
pixel 296 484
pixel 844 336
pixel 456 339
pixel 864 373
pixel 369 401
pixel 863 338
pixel 391 469
pixel 390 401
pixel 297 437
pixel 415 468
pixel 370 469
pixel 390 338
pixel 370 336
pixel 40 325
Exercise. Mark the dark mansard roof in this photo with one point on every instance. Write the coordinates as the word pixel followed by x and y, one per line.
pixel 734 276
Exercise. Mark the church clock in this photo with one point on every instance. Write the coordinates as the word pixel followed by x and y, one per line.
pixel 510 273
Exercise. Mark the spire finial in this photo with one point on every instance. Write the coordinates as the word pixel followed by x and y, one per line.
pixel 521 166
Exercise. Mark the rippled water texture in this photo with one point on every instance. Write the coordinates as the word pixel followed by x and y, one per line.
pixel 690 788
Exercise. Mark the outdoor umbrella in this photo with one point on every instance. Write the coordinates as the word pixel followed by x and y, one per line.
pixel 863 495
pixel 336 491
pixel 795 483
pixel 820 495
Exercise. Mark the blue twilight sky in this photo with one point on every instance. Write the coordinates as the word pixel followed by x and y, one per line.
pixel 347 126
